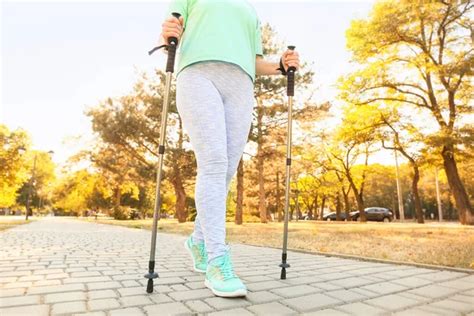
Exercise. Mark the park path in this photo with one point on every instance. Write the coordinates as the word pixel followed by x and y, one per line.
pixel 65 266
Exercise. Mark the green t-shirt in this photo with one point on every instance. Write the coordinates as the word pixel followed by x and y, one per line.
pixel 224 30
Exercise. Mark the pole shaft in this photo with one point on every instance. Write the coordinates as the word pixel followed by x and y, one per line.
pixel 288 173
pixel 290 93
pixel 157 210
pixel 172 44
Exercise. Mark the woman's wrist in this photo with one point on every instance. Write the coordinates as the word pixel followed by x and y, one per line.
pixel 267 68
pixel 281 68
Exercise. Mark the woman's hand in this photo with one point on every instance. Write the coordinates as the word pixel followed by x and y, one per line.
pixel 290 58
pixel 172 27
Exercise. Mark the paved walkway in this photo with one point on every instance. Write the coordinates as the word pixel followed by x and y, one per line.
pixel 64 266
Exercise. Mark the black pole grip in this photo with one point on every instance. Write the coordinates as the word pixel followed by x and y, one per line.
pixel 173 40
pixel 291 83
pixel 172 45
pixel 171 58
pixel 291 78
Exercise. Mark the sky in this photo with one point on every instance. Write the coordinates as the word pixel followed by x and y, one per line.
pixel 59 58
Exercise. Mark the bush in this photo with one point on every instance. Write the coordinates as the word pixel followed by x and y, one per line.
pixel 121 213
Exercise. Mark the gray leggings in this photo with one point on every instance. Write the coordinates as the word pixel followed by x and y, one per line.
pixel 215 101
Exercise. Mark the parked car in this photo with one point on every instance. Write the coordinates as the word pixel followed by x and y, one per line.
pixel 305 217
pixel 379 214
pixel 332 216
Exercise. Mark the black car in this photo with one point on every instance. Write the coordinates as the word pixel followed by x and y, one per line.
pixel 379 214
pixel 332 216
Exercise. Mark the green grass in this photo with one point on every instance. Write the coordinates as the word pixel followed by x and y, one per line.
pixel 445 244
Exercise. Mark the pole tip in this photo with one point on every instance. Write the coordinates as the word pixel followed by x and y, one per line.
pixel 149 286
pixel 283 274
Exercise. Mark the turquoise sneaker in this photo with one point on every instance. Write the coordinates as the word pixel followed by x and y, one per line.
pixel 198 254
pixel 221 280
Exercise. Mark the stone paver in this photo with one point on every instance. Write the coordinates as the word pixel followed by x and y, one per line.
pixel 311 302
pixel 69 307
pixel 37 310
pixel 273 308
pixel 361 309
pixel 62 266
pixel 199 306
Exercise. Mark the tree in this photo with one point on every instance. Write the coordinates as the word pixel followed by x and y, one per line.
pixel 381 189
pixel 131 123
pixel 309 187
pixel 350 143
pixel 114 165
pixel 270 113
pixel 13 171
pixel 420 54
pixel 41 181
pixel 414 162
pixel 384 122
pixel 72 192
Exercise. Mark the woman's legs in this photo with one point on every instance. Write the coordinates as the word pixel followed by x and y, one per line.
pixel 215 101
pixel 202 112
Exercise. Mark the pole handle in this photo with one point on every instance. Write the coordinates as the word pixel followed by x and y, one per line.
pixel 172 44
pixel 291 77
pixel 173 40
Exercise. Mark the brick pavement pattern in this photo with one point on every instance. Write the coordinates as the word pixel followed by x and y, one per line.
pixel 61 266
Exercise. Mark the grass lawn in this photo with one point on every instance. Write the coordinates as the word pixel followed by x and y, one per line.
pixel 446 244
pixel 11 221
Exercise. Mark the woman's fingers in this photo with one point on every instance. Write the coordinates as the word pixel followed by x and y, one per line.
pixel 172 27
pixel 291 59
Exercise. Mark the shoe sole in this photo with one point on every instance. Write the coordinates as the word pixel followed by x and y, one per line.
pixel 237 293
pixel 192 257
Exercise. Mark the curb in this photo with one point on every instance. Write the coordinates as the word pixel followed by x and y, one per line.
pixel 354 257
pixel 369 259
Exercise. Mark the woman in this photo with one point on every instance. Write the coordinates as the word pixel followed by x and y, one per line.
pixel 219 54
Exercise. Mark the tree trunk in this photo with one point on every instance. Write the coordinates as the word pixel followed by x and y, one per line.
pixel 338 207
pixel 414 188
pixel 316 207
pixel 347 204
pixel 310 211
pixel 240 193
pixel 177 178
pixel 358 193
pixel 180 206
pixel 278 198
pixel 297 206
pixel 359 199
pixel 118 196
pixel 361 207
pixel 323 202
pixel 466 215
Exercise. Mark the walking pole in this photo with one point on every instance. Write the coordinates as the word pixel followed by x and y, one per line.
pixel 290 92
pixel 172 44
